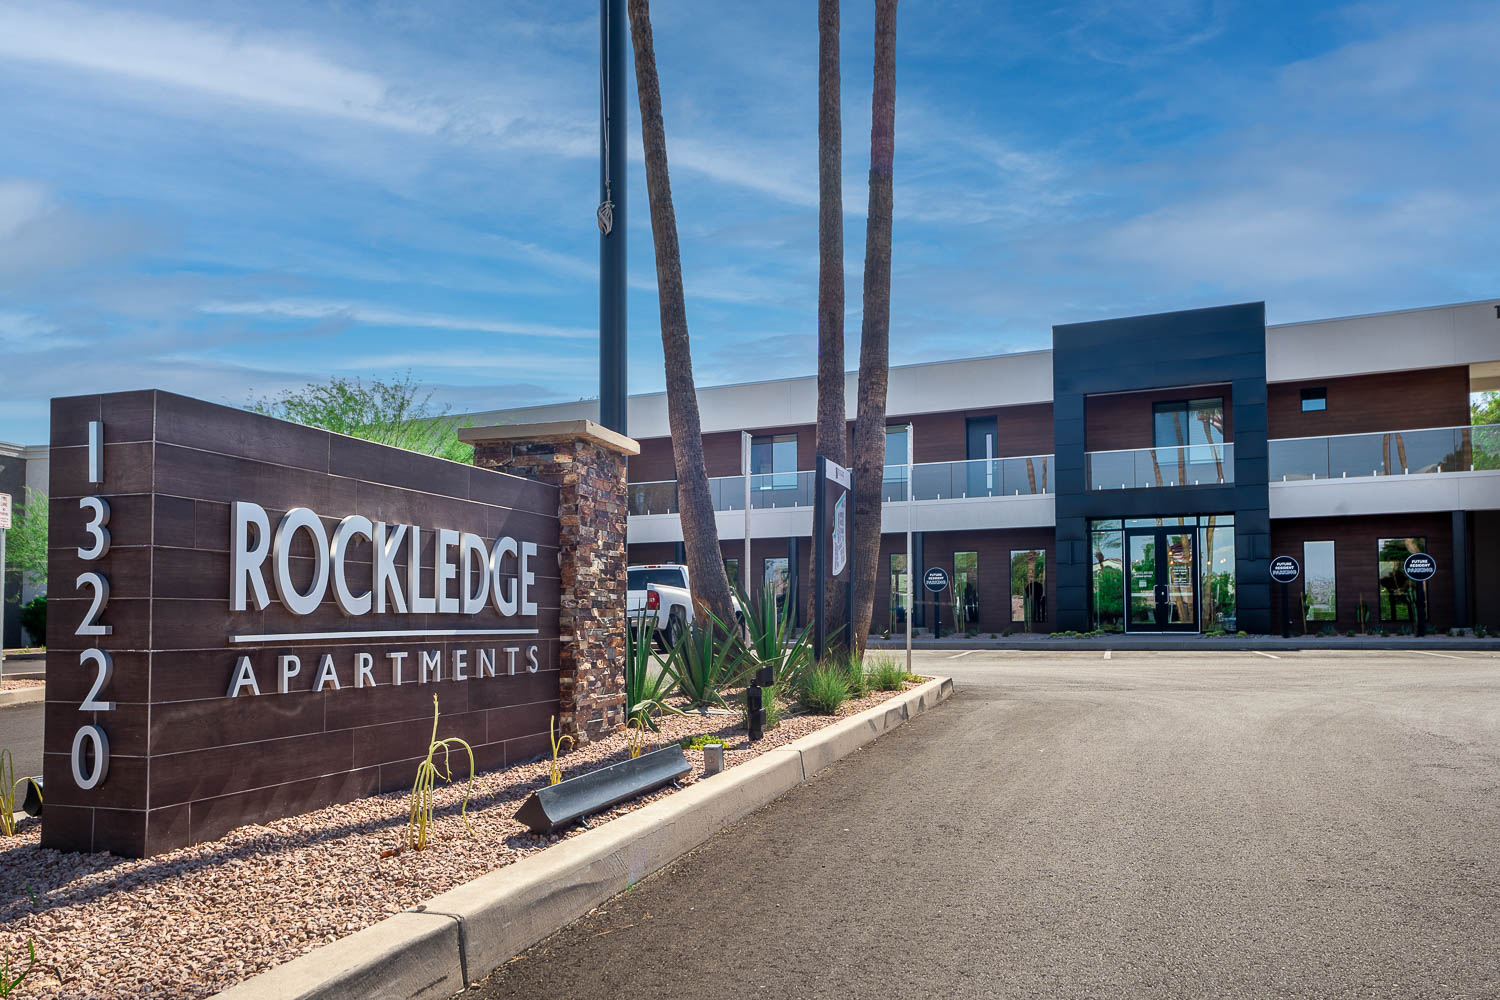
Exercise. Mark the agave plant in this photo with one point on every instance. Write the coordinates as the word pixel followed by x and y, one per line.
pixel 707 661
pixel 769 639
pixel 647 684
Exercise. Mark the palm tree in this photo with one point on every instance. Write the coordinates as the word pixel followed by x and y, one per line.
pixel 833 430
pixel 875 331
pixel 700 535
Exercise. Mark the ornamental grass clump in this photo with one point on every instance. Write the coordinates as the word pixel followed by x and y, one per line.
pixel 420 821
pixel 9 982
pixel 854 676
pixel 886 674
pixel 823 690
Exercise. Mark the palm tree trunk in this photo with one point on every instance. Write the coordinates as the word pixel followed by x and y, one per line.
pixel 875 332
pixel 833 430
pixel 700 534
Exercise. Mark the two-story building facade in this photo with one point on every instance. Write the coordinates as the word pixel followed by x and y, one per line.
pixel 1139 476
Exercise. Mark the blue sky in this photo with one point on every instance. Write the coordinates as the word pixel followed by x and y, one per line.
pixel 227 199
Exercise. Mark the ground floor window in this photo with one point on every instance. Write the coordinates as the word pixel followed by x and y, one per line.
pixel 965 590
pixel 1028 586
pixel 1398 595
pixel 1107 576
pixel 777 576
pixel 732 570
pixel 1217 572
pixel 897 604
pixel 1319 595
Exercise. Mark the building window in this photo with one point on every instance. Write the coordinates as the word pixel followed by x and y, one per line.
pixel 1319 598
pixel 1398 595
pixel 777 575
pixel 773 461
pixel 1216 548
pixel 1028 586
pixel 1107 575
pixel 894 483
pixel 1195 424
pixel 897 604
pixel 1314 400
pixel 732 570
pixel 965 590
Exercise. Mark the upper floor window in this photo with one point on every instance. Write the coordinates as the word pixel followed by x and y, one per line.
pixel 1197 424
pixel 774 455
pixel 1314 400
pixel 895 445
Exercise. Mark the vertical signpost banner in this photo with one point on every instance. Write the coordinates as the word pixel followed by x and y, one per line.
pixel 1419 568
pixel 832 511
pixel 4 529
pixel 1285 570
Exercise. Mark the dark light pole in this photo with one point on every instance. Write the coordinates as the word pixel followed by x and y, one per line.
pixel 611 216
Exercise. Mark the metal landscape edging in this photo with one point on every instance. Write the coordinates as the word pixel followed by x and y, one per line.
pixel 458 937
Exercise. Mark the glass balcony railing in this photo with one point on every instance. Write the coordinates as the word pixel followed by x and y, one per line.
pixel 1388 453
pixel 986 477
pixel 1150 468
pixel 998 477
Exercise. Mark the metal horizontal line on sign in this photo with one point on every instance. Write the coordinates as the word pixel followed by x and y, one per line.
pixel 381 633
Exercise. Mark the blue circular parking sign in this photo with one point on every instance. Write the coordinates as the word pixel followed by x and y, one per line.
pixel 936 579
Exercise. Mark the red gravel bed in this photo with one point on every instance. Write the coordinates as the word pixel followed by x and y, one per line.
pixel 187 924
pixel 18 683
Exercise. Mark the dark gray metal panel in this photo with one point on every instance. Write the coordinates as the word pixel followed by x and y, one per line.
pixel 558 805
pixel 1191 347
pixel 1461 570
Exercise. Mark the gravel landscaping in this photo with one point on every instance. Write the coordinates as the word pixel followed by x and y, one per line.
pixel 195 921
pixel 18 683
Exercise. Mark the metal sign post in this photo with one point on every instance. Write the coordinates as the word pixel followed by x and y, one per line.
pixel 910 510
pixel 831 514
pixel 1419 568
pixel 936 581
pixel 1285 570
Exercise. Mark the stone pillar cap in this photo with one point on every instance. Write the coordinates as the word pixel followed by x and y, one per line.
pixel 553 430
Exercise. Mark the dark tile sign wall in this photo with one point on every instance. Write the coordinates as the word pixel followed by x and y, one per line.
pixel 201 716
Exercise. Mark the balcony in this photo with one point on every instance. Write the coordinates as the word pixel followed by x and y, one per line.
pixel 1154 468
pixel 983 478
pixel 1388 453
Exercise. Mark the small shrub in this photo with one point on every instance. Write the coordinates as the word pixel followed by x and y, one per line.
pixel 823 690
pixel 1480 631
pixel 1008 632
pixel 886 674
pixel 420 820
pixel 706 661
pixel 702 740
pixel 34 619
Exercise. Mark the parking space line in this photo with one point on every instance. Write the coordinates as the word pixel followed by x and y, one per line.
pixel 966 652
pixel 1266 655
pixel 1446 656
pixel 1107 653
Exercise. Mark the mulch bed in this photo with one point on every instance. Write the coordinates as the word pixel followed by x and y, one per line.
pixel 187 924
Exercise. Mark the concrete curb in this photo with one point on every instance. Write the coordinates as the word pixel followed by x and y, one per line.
pixel 23 696
pixel 1195 644
pixel 460 936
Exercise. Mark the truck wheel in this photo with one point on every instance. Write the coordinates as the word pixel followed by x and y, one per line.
pixel 674 629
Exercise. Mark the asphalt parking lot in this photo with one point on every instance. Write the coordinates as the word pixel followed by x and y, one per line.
pixel 1100 824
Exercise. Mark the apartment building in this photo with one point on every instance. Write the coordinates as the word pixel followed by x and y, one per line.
pixel 1139 476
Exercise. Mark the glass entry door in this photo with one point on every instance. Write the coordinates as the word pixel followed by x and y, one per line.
pixel 1162 580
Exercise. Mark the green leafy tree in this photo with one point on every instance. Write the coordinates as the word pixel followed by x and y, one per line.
pixel 26 541
pixel 1484 408
pixel 398 413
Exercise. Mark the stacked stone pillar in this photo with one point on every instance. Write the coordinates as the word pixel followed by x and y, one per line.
pixel 587 463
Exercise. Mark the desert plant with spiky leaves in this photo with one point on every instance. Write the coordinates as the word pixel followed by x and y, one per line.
pixel 647 685
pixel 706 662
pixel 558 739
pixel 635 737
pixel 770 640
pixel 420 821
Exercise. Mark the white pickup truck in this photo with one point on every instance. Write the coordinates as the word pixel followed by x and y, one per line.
pixel 660 592
pixel 663 593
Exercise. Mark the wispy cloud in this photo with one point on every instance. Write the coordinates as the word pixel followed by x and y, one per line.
pixel 377 316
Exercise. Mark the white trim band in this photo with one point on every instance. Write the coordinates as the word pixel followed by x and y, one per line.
pixel 380 633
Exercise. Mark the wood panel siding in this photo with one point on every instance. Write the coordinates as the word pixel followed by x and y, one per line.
pixel 1389 401
pixel 1356 555
pixel 1117 420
